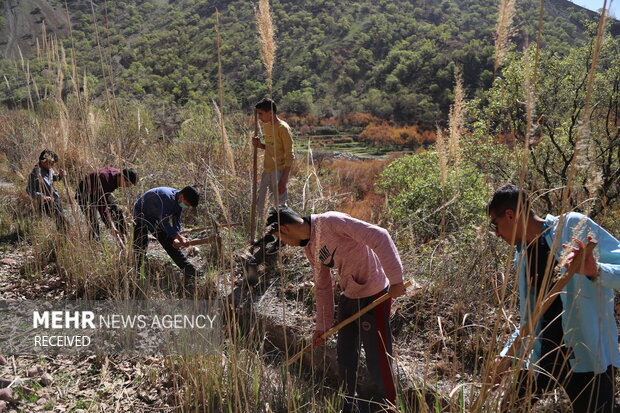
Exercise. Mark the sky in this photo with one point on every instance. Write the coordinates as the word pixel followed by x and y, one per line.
pixel 597 4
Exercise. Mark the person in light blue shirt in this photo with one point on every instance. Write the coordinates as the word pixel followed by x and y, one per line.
pixel 158 211
pixel 576 343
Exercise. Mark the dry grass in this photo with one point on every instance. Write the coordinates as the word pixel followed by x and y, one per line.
pixel 585 156
pixel 227 150
pixel 503 31
pixel 456 119
pixel 353 183
pixel 267 39
pixel 442 154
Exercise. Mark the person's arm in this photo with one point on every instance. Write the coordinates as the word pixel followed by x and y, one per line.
pixel 324 299
pixel 32 188
pixel 171 223
pixel 256 142
pixel 604 269
pixel 57 176
pixel 104 211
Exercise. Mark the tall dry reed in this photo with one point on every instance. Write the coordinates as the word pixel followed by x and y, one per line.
pixel 456 119
pixel 229 160
pixel 267 40
pixel 584 157
pixel 503 31
pixel 442 154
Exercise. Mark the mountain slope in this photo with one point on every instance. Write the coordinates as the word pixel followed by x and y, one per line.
pixel 393 58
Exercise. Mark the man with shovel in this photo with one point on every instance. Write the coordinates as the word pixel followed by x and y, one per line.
pixel 369 266
pixel 576 338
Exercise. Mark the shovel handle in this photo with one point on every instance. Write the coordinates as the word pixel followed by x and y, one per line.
pixel 343 323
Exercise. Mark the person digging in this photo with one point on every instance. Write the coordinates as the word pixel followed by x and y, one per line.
pixel 369 265
pixel 94 195
pixel 159 211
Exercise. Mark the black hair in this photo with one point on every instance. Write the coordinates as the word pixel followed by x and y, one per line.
pixel 508 197
pixel 48 155
pixel 191 195
pixel 267 105
pixel 130 174
pixel 286 216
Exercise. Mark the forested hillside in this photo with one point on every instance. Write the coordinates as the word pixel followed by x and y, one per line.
pixel 391 58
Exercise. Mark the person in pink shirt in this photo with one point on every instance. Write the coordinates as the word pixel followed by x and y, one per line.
pixel 368 266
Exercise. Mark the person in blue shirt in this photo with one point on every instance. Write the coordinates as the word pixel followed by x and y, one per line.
pixel 576 342
pixel 158 211
pixel 41 188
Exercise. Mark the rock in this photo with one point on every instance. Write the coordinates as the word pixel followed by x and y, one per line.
pixel 34 371
pixel 6 395
pixel 192 251
pixel 27 390
pixel 3 361
pixel 46 379
pixel 41 401
pixel 9 261
pixel 3 407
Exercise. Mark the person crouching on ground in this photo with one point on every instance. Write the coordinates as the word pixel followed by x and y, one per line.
pixel 369 266
pixel 159 211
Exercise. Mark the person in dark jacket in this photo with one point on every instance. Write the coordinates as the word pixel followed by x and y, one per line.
pixel 41 188
pixel 158 211
pixel 94 194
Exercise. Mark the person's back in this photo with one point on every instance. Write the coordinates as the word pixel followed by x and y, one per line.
pixel 364 255
pixel 101 182
pixel 157 203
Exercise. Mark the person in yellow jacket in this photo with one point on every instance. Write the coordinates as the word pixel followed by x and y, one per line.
pixel 279 155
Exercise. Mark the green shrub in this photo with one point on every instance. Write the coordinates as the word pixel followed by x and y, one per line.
pixel 417 200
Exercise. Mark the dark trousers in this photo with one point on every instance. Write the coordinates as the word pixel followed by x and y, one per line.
pixel 588 392
pixel 141 241
pixel 373 331
pixel 91 208
pixel 54 210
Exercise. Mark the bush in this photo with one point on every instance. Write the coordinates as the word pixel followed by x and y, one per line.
pixel 417 199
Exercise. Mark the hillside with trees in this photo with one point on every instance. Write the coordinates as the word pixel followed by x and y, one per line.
pixel 393 59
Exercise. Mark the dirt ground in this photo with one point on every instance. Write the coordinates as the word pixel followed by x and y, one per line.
pixel 437 344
